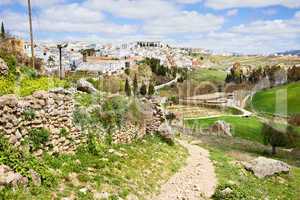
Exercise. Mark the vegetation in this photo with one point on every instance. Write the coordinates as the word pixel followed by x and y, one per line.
pixel 112 170
pixel 143 89
pixel 38 137
pixel 209 75
pixel 2 34
pixel 278 138
pixel 127 88
pixel 274 100
pixel 250 128
pixel 135 85
pixel 245 185
pixel 151 89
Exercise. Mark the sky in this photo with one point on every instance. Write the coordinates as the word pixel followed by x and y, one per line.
pixel 241 26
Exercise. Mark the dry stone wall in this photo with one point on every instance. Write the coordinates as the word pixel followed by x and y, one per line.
pixel 51 110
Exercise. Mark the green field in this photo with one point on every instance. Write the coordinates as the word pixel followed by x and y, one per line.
pixel 274 100
pixel 201 75
pixel 246 128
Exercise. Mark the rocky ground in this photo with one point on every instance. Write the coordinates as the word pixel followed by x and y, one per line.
pixel 197 180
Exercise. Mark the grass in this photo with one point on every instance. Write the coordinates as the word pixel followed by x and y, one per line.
pixel 246 186
pixel 273 100
pixel 120 170
pixel 246 128
pixel 201 75
pixel 249 128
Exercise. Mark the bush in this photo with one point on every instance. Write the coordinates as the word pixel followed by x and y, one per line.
pixel 38 137
pixel 276 137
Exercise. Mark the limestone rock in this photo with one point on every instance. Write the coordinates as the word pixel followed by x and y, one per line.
pixel 9 178
pixel 262 167
pixel 36 179
pixel 220 128
pixel 85 86
pixel 166 132
pixel 3 68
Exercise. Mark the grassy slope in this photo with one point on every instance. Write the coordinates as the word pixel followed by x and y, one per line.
pixel 200 75
pixel 246 186
pixel 265 101
pixel 246 128
pixel 136 169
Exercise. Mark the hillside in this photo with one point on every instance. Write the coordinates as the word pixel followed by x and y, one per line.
pixel 273 100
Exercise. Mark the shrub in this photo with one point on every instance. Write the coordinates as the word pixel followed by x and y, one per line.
pixel 38 137
pixel 276 137
pixel 151 89
pixel 29 72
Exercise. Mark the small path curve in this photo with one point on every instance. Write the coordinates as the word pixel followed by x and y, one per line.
pixel 196 181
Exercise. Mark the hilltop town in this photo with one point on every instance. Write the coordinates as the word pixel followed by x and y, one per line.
pixel 146 120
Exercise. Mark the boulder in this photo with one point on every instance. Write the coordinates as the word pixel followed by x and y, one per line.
pixel 166 132
pixel 9 178
pixel 220 128
pixel 262 167
pixel 3 68
pixel 85 86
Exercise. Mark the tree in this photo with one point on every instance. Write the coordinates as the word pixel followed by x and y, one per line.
pixel 276 137
pixel 135 85
pixel 143 89
pixel 2 31
pixel 151 89
pixel 127 88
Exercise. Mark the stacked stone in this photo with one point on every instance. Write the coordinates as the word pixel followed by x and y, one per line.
pixel 3 68
pixel 51 110
pixel 157 119
pixel 127 134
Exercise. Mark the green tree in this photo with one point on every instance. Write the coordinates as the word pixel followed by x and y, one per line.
pixel 2 31
pixel 135 85
pixel 143 89
pixel 127 88
pixel 276 137
pixel 151 89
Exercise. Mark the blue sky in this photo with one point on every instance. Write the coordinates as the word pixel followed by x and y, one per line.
pixel 245 26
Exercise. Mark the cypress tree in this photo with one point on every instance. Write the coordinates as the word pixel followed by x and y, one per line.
pixel 135 85
pixel 2 31
pixel 151 89
pixel 143 90
pixel 127 88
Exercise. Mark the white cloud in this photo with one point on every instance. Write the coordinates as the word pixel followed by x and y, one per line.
pixel 225 4
pixel 134 9
pixel 17 22
pixel 232 12
pixel 184 22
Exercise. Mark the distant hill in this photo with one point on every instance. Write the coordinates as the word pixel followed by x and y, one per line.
pixel 292 52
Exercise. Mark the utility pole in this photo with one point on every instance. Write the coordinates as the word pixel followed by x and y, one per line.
pixel 61 68
pixel 31 34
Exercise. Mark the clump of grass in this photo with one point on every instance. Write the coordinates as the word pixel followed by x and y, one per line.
pixel 38 137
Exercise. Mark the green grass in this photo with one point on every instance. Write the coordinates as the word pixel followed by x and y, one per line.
pixel 241 127
pixel 201 75
pixel 246 128
pixel 272 100
pixel 136 169
pixel 246 186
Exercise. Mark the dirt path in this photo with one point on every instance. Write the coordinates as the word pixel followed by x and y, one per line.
pixel 196 181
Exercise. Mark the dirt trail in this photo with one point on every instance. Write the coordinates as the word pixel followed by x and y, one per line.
pixel 197 180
